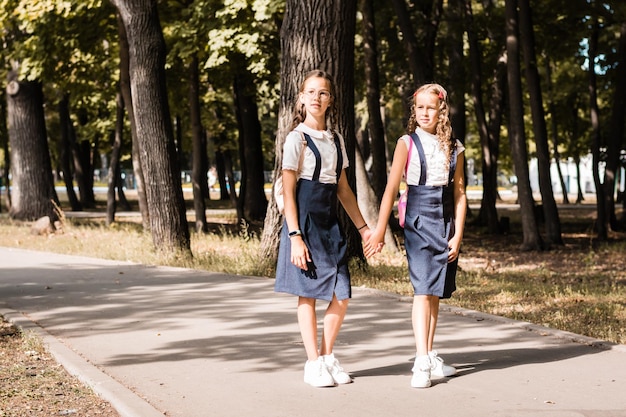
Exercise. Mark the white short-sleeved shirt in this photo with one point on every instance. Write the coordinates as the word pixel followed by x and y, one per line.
pixel 437 170
pixel 323 139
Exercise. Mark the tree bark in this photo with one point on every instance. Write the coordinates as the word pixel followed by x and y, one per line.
pixel 33 191
pixel 315 35
pixel 169 228
pixel 531 239
pixel 198 168
pixel 128 105
pixel 550 210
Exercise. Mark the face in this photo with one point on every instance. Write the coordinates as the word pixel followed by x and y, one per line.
pixel 316 96
pixel 427 111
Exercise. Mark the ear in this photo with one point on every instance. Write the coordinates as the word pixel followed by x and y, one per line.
pixel 301 98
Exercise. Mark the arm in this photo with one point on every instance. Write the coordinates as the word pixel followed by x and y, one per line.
pixel 460 209
pixel 349 203
pixel 299 252
pixel 400 156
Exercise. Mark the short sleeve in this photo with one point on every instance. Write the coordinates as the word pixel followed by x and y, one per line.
pixel 292 151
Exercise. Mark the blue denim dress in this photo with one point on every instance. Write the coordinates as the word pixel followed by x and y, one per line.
pixel 428 227
pixel 327 272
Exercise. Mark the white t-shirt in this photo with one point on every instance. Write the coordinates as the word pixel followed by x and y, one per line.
pixel 323 139
pixel 437 170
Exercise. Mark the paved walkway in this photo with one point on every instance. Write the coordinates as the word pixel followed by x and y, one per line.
pixel 160 341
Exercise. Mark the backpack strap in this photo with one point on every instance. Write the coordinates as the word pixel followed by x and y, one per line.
pixel 422 155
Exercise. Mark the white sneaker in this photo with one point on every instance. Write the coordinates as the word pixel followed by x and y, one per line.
pixel 438 368
pixel 316 374
pixel 421 372
pixel 336 371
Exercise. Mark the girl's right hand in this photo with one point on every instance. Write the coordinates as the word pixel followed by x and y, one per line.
pixel 299 253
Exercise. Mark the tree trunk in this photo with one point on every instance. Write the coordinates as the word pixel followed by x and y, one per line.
pixel 615 138
pixel 65 151
pixel 315 35
pixel 489 142
pixel 33 191
pixel 532 238
pixel 252 197
pixel 114 163
pixel 168 221
pixel 555 132
pixel 198 168
pixel 128 105
pixel 602 226
pixel 220 166
pixel 580 197
pixel 550 210
pixel 375 125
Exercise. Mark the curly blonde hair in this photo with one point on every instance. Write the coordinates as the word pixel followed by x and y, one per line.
pixel 443 130
pixel 299 111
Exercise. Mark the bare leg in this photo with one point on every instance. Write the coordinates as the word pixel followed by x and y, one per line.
pixel 421 318
pixel 434 315
pixel 333 319
pixel 307 321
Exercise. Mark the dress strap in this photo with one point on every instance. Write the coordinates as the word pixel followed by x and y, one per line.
pixel 318 157
pixel 420 151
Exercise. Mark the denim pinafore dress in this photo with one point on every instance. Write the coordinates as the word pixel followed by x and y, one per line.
pixel 327 272
pixel 428 227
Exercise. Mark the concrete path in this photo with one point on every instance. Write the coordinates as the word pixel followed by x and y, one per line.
pixel 158 341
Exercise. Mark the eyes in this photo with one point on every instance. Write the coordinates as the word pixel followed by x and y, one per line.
pixel 323 95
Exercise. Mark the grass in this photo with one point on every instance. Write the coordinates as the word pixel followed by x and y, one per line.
pixel 576 287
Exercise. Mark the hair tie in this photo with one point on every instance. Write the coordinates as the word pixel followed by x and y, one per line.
pixel 441 95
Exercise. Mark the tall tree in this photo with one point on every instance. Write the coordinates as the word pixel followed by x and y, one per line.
pixel 602 226
pixel 314 35
pixel 33 194
pixel 615 139
pixel 170 232
pixel 375 126
pixel 127 100
pixel 517 138
pixel 550 211
pixel 488 128
pixel 252 201
pixel 198 168
pixel 65 150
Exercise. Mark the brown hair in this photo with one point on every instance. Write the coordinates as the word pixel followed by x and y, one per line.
pixel 443 131
pixel 299 112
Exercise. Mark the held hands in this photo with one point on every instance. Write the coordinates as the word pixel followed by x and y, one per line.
pixel 373 242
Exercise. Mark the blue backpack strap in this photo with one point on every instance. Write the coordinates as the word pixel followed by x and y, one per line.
pixel 339 157
pixel 318 158
pixel 420 151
